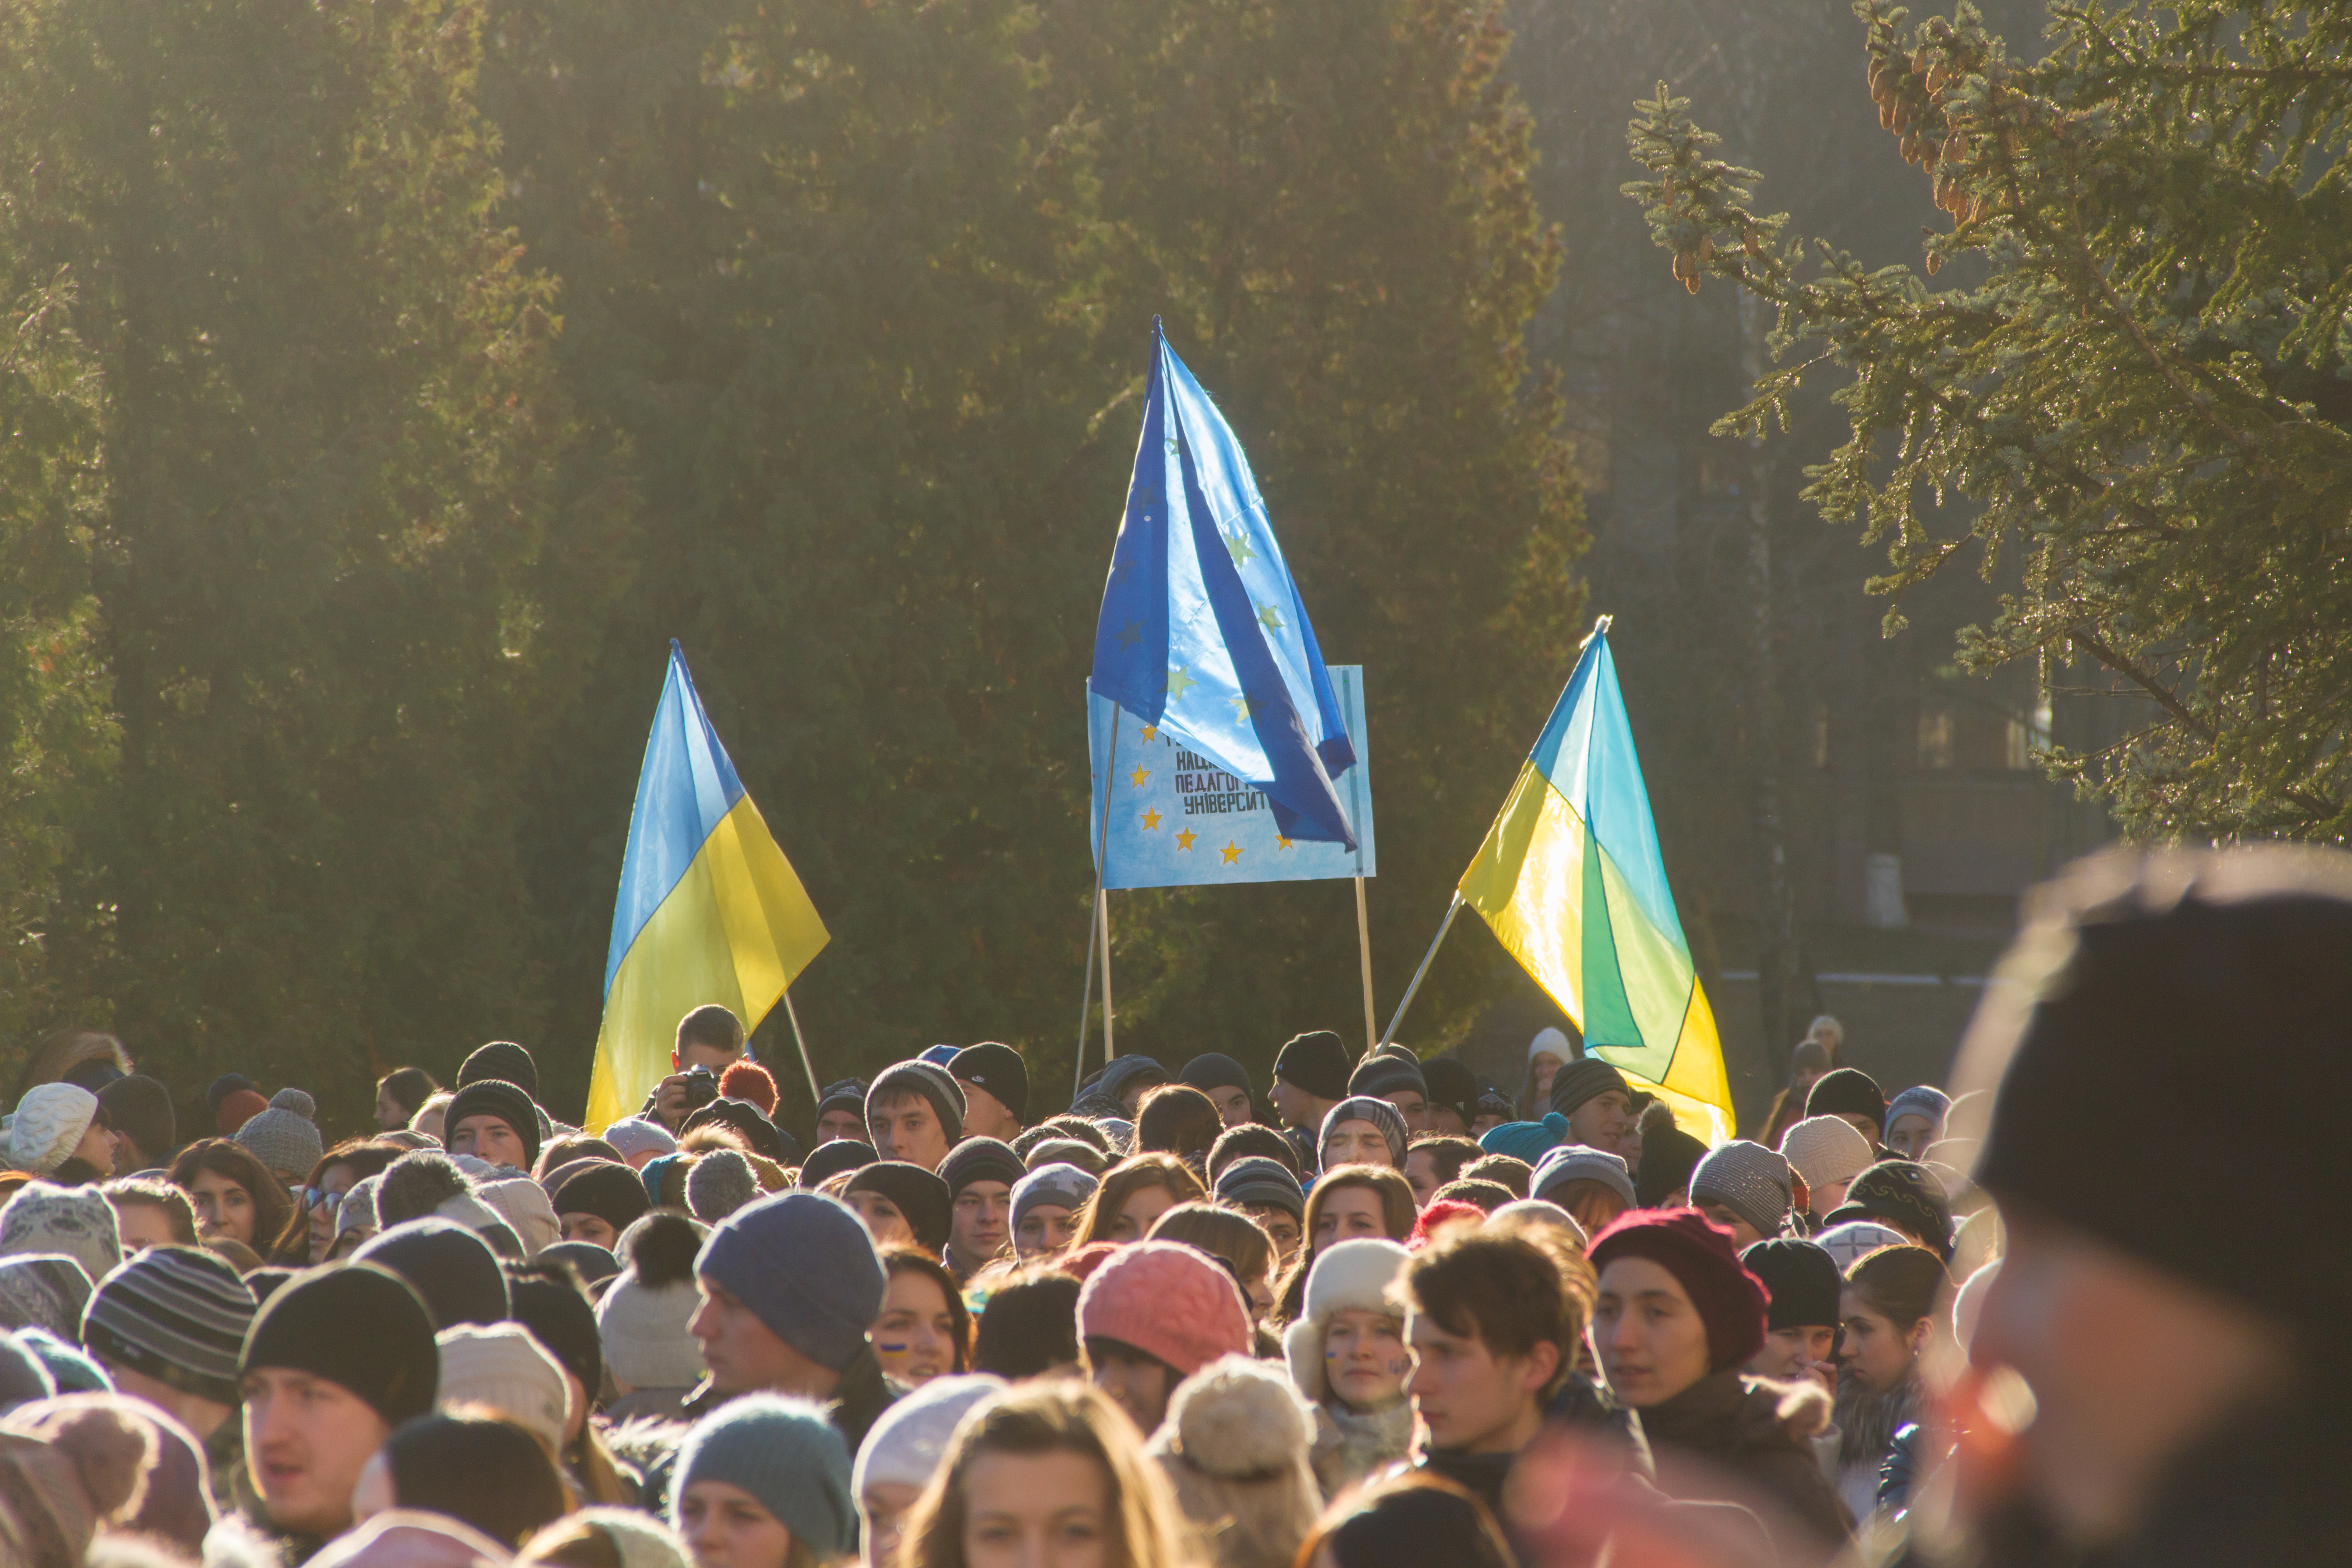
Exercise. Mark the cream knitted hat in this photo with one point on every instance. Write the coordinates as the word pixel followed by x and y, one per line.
pixel 504 1367
pixel 1826 1150
pixel 51 1120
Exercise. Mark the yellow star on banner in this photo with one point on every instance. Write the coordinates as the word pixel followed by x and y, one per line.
pixel 1268 619
pixel 1280 842
pixel 1148 734
pixel 1151 822
pixel 1242 706
pixel 1237 546
pixel 1132 633
pixel 1179 683
pixel 1138 775
pixel 1233 852
pixel 1184 839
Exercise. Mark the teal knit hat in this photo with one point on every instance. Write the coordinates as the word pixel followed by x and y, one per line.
pixel 1526 1139
pixel 786 1455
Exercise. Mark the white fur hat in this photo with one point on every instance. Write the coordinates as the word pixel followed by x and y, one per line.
pixel 1552 1041
pixel 1239 1419
pixel 1349 1275
pixel 504 1367
pixel 50 1121
pixel 1825 1149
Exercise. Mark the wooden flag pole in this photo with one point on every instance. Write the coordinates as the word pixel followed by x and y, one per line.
pixel 1110 1040
pixel 1100 916
pixel 1443 927
pixel 1085 1002
pixel 816 1095
pixel 1364 947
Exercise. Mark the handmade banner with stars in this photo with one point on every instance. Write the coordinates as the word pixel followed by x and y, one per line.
pixel 1177 819
pixel 1202 634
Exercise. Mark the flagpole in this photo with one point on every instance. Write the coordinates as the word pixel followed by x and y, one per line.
pixel 1099 915
pixel 1085 1002
pixel 1364 948
pixel 1443 927
pixel 1110 1041
pixel 816 1095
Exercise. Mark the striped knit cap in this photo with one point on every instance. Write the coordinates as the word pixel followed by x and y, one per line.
pixel 177 1314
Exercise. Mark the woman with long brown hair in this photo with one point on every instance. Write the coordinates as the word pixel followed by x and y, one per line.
pixel 1351 1201
pixel 235 1197
pixel 310 1231
pixel 1134 1193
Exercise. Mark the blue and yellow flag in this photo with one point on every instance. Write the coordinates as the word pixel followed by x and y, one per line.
pixel 1572 881
pixel 709 909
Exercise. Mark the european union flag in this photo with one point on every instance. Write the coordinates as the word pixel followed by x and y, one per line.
pixel 1203 631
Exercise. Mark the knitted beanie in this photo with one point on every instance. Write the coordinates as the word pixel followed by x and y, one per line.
pixel 284 1137
pixel 76 1221
pixel 63 1485
pixel 932 1082
pixel 760 1135
pixel 906 1441
pixel 222 1086
pixel 1577 1082
pixel 805 1267
pixel 1542 1211
pixel 1920 1101
pixel 1825 1150
pixel 23 1378
pixel 171 1501
pixel 236 1108
pixel 1905 1194
pixel 453 1270
pixel 1381 1076
pixel 177 1314
pixel 1348 1276
pixel 1365 1107
pixel 980 1160
pixel 1849 1091
pixel 1316 1062
pixel 1850 1241
pixel 643 1327
pixel 1697 1253
pixel 611 1191
pixel 998 1068
pixel 1668 1158
pixel 1551 1043
pixel 357 1211
pixel 68 1368
pixel 1126 1073
pixel 938 1055
pixel 1169 1301
pixel 1213 1071
pixel 720 1183
pixel 1802 1278
pixel 50 1121
pixel 787 1455
pixel 524 1204
pixel 843 1094
pixel 504 1060
pixel 551 1303
pixel 356 1325
pixel 511 1103
pixel 591 1263
pixel 1067 1152
pixel 1580 1163
pixel 639 1540
pixel 1257 1179
pixel 920 1195
pixel 748 1081
pixel 500 1366
pixel 1453 1086
pixel 1526 1140
pixel 634 1135
pixel 43 1290
pixel 1749 1179
pixel 830 1159
pixel 1055 1186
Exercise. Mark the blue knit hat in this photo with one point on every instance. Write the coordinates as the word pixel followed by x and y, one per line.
pixel 785 1454
pixel 1526 1139
pixel 806 1267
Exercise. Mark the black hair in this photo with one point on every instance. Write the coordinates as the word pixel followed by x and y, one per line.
pixel 1248 1139
pixel 1030 1325
pixel 409 1088
pixel 482 1470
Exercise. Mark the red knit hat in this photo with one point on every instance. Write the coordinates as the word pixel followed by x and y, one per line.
pixel 1169 1301
pixel 748 1080
pixel 1698 1253
pixel 1438 1213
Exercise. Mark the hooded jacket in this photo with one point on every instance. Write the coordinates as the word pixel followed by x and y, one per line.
pixel 1751 1440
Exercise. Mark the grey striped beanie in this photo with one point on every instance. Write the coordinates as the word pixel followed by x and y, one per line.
pixel 177 1314
pixel 1749 1179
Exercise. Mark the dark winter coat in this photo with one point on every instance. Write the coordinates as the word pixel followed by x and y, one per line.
pixel 1731 1439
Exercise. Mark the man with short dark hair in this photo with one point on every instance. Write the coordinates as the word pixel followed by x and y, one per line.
pixel 841 1111
pixel 979 1174
pixel 996 1084
pixel 146 1129
pixel 1397 1079
pixel 1227 1083
pixel 915 1112
pixel 1596 1101
pixel 710 1037
pixel 1310 1077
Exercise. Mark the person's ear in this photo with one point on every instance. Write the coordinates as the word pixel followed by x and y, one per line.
pixel 675 1064
pixel 1542 1361
pixel 1918 1337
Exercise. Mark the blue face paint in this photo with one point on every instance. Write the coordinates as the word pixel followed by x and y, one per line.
pixel 889 1349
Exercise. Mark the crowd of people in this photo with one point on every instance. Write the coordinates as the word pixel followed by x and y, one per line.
pixel 1337 1312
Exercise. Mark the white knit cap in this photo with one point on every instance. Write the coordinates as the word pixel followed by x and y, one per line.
pixel 524 1204
pixel 1540 1211
pixel 643 1540
pixel 1349 1276
pixel 1858 1239
pixel 51 1120
pixel 906 1442
pixel 76 1221
pixel 504 1367
pixel 634 1135
pixel 1553 1041
pixel 644 1330
pixel 1826 1150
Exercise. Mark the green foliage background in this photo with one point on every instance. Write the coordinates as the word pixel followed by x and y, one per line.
pixel 386 384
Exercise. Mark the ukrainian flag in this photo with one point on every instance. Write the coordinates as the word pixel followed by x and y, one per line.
pixel 709 909
pixel 1571 880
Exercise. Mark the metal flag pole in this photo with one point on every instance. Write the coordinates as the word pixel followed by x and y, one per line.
pixel 816 1095
pixel 1085 1002
pixel 1110 1040
pixel 1364 948
pixel 1443 927
pixel 1099 916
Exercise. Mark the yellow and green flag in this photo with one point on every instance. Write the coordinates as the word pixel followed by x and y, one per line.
pixel 709 909
pixel 1571 882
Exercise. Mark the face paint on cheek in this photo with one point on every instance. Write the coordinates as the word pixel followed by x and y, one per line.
pixel 898 1349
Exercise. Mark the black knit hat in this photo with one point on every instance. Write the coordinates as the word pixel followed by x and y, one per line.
pixel 605 1188
pixel 1668 1158
pixel 997 1068
pixel 1579 1083
pixel 358 1326
pixel 928 1079
pixel 767 1140
pixel 980 1160
pixel 591 1263
pixel 843 1094
pixel 510 1102
pixel 1905 1195
pixel 921 1196
pixel 1214 1071
pixel 1849 1091
pixel 1316 1062
pixel 453 1270
pixel 834 1156
pixel 177 1314
pixel 1453 1086
pixel 1381 1076
pixel 549 1302
pixel 504 1060
pixel 1803 1278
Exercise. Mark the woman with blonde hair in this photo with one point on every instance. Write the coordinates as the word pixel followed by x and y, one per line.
pixel 1134 1193
pixel 1044 1466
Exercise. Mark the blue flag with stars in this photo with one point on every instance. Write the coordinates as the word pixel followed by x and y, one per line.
pixel 1203 631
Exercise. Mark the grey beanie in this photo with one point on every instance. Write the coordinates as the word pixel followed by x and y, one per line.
pixel 76 1221
pixel 1749 1179
pixel 1579 1162
pixel 284 1137
pixel 933 1082
pixel 1255 1179
pixel 806 1267
pixel 1065 1185
pixel 1380 1076
pixel 720 1183
pixel 44 1290
pixel 1365 1107
pixel 787 1454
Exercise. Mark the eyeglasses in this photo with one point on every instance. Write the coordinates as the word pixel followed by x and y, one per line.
pixel 320 1198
